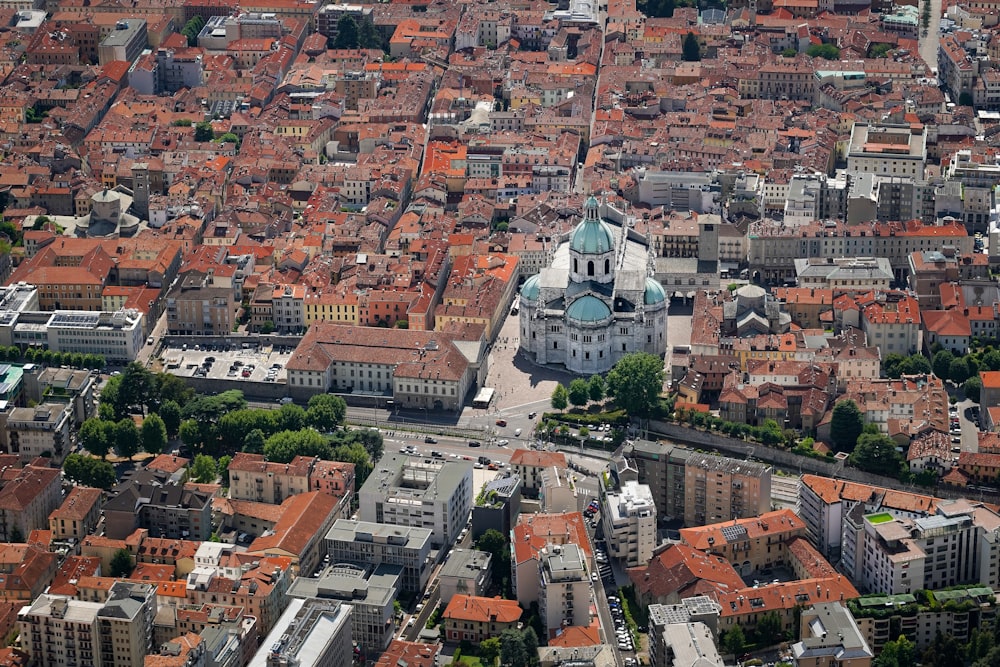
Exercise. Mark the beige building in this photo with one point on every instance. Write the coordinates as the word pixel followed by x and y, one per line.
pixel 887 150
pixel 830 637
pixel 197 306
pixel 564 598
pixel 750 544
pixel 721 489
pixel 77 515
pixel 530 465
pixel 33 432
pixel 466 572
pixel 26 500
pixel 629 518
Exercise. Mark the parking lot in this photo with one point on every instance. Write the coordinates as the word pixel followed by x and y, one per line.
pixel 237 363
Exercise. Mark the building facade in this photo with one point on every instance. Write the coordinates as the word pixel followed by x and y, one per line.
pixel 629 519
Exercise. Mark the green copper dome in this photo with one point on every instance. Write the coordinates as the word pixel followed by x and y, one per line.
pixel 592 236
pixel 529 290
pixel 588 309
pixel 654 292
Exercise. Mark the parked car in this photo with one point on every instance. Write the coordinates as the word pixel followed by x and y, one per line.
pixel 475 443
pixel 430 441
pixel 501 422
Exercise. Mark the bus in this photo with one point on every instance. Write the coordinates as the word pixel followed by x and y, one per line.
pixel 483 398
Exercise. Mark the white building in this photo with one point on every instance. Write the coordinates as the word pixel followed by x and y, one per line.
pixel 887 150
pixel 436 495
pixel 596 302
pixel 311 633
pixel 116 336
pixel 557 493
pixel 32 432
pixel 376 543
pixel 629 518
pixel 564 597
pixel 466 572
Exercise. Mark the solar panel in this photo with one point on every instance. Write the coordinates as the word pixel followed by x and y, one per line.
pixel 734 533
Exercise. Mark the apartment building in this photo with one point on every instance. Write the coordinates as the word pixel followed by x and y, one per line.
pixel 298 533
pixel 829 637
pixel 891 322
pixel 531 464
pixel 824 502
pixel 629 518
pixel 253 478
pixel 59 630
pixel 750 545
pixel 167 509
pixel 63 385
pixel 473 619
pixel 720 489
pixel 497 506
pixel 533 538
pixel 311 633
pixel 259 586
pixel 43 430
pixel 376 543
pixel 27 498
pixel 125 42
pixel 404 491
pixel 893 555
pixel 78 514
pixel 197 306
pixel 466 572
pixel 922 617
pixel 844 274
pixel 564 598
pixel 661 466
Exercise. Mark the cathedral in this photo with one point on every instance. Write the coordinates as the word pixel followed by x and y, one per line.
pixel 597 301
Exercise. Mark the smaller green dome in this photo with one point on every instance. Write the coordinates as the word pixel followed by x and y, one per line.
pixel 654 292
pixel 529 290
pixel 592 237
pixel 588 309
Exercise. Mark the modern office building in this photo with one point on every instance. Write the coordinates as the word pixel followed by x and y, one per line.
pixel 311 633
pixel 431 494
pixel 353 541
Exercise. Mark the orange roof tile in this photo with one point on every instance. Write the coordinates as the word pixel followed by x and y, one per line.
pixel 482 610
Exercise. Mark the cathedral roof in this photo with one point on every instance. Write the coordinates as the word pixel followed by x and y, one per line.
pixel 588 309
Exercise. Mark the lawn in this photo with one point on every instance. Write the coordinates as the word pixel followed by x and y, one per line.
pixel 470 660
pixel 879 518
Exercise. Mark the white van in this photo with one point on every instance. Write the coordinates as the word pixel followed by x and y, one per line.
pixel 286 400
pixel 517 433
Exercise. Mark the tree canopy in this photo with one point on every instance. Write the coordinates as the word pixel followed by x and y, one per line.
pixel 560 397
pixel 89 471
pixel 153 434
pixel 596 388
pixel 876 453
pixel 579 392
pixel 204 469
pixel 825 51
pixel 846 425
pixel 121 563
pixel 636 382
pixel 690 49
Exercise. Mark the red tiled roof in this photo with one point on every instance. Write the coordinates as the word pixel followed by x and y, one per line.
pixel 482 610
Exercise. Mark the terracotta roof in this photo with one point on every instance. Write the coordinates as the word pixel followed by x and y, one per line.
pixel 303 516
pixel 778 524
pixel 576 635
pixel 534 532
pixel 532 458
pixel 408 654
pixel 836 490
pixel 482 610
pixel 168 463
pixel 682 571
pixel 78 504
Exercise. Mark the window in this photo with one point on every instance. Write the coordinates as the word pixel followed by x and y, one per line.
pixel 607 266
pixel 590 268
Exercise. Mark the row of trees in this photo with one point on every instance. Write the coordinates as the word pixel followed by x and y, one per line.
pixel 353 33
pixel 99 436
pixel 635 382
pixel 88 471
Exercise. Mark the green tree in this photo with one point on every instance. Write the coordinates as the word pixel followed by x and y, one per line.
pixel 113 397
pixel 192 28
pixel 991 360
pixel 691 49
pixel 579 392
pixel 284 446
pixel 876 453
pixel 789 53
pixel 734 641
pixel 205 469
pixel 326 412
pixel 355 453
pixel 560 397
pixel 169 387
pixel 495 543
pixel 369 438
pixel 208 409
pixel 121 563
pixel 96 437
pixel 636 382
pixel 512 649
pixel 126 438
pixel 891 363
pixel 190 433
pixel 254 442
pixel 899 653
pixel 489 651
pixel 596 388
pixel 825 51
pixel 368 35
pixel 170 413
pixel 223 468
pixel 89 471
pixel 972 388
pixel 846 425
pixel 229 138
pixel 941 363
pixel 290 417
pixel 958 370
pixel 137 387
pixel 347 33
pixel 769 630
pixel 153 434
pixel 203 132
pixel 879 50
